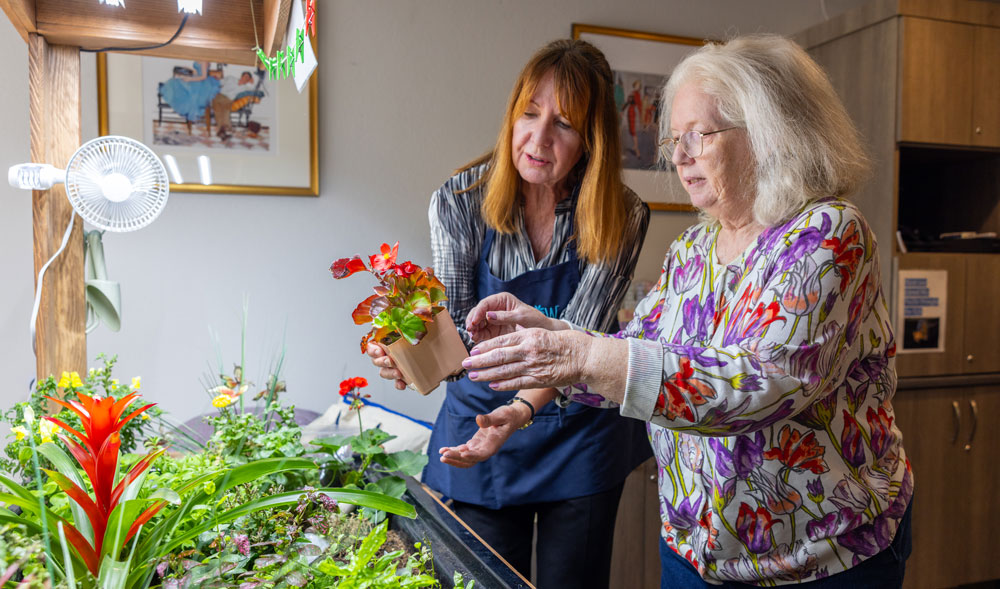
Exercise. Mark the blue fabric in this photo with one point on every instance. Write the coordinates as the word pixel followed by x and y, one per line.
pixel 883 571
pixel 189 99
pixel 347 401
pixel 566 453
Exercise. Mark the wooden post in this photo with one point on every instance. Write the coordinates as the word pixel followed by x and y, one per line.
pixel 54 94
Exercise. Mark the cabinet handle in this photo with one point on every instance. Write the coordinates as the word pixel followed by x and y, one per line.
pixel 970 358
pixel 979 130
pixel 957 412
pixel 975 422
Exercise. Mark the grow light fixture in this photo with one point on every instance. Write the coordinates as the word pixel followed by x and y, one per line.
pixel 114 2
pixel 189 6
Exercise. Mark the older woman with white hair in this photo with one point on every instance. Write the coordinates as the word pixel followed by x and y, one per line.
pixel 763 360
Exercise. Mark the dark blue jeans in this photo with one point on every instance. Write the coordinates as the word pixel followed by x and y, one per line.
pixel 882 571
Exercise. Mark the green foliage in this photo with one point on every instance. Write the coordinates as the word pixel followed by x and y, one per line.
pixel 365 568
pixel 246 509
pixel 99 382
pixel 20 549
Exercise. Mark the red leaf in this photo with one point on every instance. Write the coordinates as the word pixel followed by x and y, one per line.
pixel 363 312
pixel 144 517
pixel 344 267
pixel 134 414
pixel 98 520
pixel 85 550
pixel 85 458
pixel 133 474
pixel 82 437
pixel 71 407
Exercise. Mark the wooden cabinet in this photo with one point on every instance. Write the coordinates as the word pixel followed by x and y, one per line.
pixel 635 560
pixel 948 83
pixel 972 319
pixel 921 79
pixel 950 440
pixel 986 88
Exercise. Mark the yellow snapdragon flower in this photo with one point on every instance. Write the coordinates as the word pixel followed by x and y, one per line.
pixel 70 380
pixel 222 401
pixel 20 431
pixel 46 429
pixel 136 382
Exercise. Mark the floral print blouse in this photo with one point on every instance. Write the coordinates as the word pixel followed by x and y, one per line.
pixel 767 386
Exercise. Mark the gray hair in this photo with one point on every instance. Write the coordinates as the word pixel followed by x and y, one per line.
pixel 803 142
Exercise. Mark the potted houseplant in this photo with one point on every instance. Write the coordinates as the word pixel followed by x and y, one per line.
pixel 407 318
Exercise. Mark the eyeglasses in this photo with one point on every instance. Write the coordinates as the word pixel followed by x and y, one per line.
pixel 691 142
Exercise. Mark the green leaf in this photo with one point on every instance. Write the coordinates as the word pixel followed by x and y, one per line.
pixel 31 506
pixel 407 462
pixel 391 486
pixel 331 568
pixel 332 442
pixel 411 327
pixel 369 546
pixel 119 521
pixel 169 495
pixel 360 498
pixel 113 574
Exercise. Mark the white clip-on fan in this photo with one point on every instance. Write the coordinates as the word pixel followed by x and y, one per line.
pixel 114 183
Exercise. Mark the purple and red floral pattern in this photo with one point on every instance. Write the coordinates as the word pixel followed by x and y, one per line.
pixel 771 416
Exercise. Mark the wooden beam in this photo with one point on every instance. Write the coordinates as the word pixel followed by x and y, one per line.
pixel 276 16
pixel 54 111
pixel 224 32
pixel 21 14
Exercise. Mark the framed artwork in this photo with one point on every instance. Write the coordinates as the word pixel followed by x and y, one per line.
pixel 641 63
pixel 219 128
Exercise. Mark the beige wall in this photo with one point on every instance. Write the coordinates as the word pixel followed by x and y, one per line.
pixel 408 91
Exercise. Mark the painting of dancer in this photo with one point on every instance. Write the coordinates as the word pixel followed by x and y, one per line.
pixel 640 115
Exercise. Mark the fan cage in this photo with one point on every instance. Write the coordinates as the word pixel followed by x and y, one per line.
pixel 115 154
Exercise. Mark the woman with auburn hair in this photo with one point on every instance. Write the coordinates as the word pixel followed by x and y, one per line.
pixel 543 216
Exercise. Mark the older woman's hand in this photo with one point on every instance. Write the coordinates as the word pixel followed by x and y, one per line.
pixel 386 367
pixel 504 313
pixel 530 358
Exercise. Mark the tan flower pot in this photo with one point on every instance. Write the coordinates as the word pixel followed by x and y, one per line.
pixel 438 355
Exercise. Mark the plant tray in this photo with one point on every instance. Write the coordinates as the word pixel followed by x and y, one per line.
pixel 455 546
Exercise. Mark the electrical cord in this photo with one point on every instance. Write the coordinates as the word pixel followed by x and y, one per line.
pixel 41 277
pixel 147 48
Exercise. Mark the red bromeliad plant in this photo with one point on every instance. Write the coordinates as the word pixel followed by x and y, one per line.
pixel 406 298
pixel 97 454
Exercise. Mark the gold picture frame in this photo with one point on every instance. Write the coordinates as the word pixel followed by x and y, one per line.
pixel 641 62
pixel 259 160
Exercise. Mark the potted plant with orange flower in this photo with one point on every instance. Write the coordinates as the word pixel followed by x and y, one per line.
pixel 407 318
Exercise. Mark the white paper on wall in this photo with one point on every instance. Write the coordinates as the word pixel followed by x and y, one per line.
pixel 296 21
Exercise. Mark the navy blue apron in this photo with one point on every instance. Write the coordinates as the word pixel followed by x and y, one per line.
pixel 565 453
